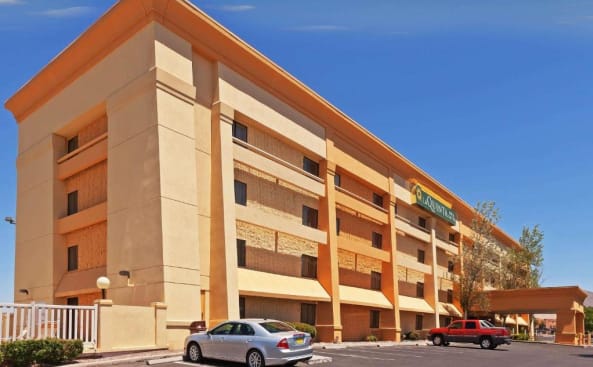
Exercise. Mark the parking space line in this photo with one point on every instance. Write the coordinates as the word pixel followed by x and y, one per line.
pixel 364 356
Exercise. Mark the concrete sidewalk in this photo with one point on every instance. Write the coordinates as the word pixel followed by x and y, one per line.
pixel 154 357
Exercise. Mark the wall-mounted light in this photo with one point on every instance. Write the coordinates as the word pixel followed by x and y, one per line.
pixel 24 291
pixel 10 220
pixel 126 273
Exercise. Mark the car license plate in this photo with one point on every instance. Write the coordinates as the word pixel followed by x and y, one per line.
pixel 300 341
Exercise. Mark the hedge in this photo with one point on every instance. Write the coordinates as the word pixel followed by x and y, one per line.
pixel 23 353
pixel 301 326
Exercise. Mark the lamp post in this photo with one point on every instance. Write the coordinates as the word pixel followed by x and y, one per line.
pixel 103 283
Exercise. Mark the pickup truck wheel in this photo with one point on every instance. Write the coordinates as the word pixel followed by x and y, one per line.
pixel 486 343
pixel 437 340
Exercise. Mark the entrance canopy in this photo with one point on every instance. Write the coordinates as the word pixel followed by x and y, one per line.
pixel 537 300
pixel 565 302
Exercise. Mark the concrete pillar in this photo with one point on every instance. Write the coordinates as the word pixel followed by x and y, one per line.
pixel 329 321
pixel 390 319
pixel 105 325
pixel 224 294
pixel 431 285
pixel 160 324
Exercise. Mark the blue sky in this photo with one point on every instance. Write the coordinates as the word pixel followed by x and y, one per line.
pixel 492 98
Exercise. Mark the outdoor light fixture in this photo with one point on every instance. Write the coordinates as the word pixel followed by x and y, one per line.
pixel 10 220
pixel 24 291
pixel 126 273
pixel 103 283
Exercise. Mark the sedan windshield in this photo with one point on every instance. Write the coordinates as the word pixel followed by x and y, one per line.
pixel 276 327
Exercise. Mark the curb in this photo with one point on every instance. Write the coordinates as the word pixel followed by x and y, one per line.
pixel 319 360
pixel 122 360
pixel 152 362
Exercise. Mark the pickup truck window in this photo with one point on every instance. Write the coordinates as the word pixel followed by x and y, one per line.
pixel 486 324
pixel 456 325
pixel 470 324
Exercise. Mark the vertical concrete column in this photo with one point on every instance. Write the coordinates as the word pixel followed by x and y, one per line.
pixel 224 293
pixel 160 324
pixel 41 202
pixel 329 322
pixel 431 285
pixel 566 332
pixel 105 325
pixel 390 320
pixel 458 270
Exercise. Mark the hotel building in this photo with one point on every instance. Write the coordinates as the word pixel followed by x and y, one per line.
pixel 161 146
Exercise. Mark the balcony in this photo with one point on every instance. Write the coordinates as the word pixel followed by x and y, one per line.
pixel 366 250
pixel 87 217
pixel 411 262
pixel 406 226
pixel 274 222
pixel 448 246
pixel 88 155
pixel 363 207
pixel 272 165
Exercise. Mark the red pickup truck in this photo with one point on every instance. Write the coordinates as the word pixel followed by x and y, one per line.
pixel 471 331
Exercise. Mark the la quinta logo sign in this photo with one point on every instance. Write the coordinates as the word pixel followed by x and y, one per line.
pixel 428 202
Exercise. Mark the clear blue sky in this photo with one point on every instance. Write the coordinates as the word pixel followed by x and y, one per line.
pixel 492 98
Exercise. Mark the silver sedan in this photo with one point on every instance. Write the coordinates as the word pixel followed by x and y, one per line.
pixel 256 342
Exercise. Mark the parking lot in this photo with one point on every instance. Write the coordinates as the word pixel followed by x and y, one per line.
pixel 455 355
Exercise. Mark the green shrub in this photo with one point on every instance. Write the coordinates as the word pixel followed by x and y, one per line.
pixel 22 353
pixel 412 335
pixel 370 338
pixel 301 326
pixel 72 349
pixel 520 337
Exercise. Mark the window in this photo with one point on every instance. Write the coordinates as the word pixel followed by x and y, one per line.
pixel 375 318
pixel 338 180
pixel 470 324
pixel 395 206
pixel 242 307
pixel 224 329
pixel 375 280
pixel 422 222
pixel 309 217
pixel 452 237
pixel 239 131
pixel 419 322
pixel 420 290
pixel 377 199
pixel 72 258
pixel 72 202
pixel 310 166
pixel 338 226
pixel 308 313
pixel 241 253
pixel 456 325
pixel 243 329
pixel 449 295
pixel 450 266
pixel 240 193
pixel 72 144
pixel 421 256
pixel 308 266
pixel 72 301
pixel 377 240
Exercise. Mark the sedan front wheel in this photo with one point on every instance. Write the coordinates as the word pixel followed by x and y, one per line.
pixel 194 353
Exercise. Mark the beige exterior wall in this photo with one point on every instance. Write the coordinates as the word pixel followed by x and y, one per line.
pixel 285 310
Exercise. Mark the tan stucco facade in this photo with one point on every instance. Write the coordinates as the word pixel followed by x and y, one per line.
pixel 153 92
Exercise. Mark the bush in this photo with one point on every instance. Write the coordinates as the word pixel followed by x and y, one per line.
pixel 301 326
pixel 520 337
pixel 412 335
pixel 46 351
pixel 370 338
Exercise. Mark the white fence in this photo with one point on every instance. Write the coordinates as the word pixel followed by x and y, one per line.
pixel 40 321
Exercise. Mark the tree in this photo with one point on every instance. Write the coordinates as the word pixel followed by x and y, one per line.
pixel 476 258
pixel 589 319
pixel 524 264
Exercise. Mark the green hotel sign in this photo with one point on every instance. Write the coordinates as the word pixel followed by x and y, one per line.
pixel 428 202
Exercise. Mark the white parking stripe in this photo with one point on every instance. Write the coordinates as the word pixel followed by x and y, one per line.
pixel 362 357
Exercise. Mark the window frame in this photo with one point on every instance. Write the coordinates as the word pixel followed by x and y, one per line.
pixel 374 319
pixel 72 202
pixel 310 217
pixel 375 280
pixel 308 313
pixel 337 180
pixel 240 193
pixel 238 128
pixel 419 322
pixel 419 289
pixel 308 266
pixel 310 166
pixel 378 200
pixel 241 253
pixel 377 240
pixel 421 256
pixel 72 144
pixel 422 222
pixel 72 258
